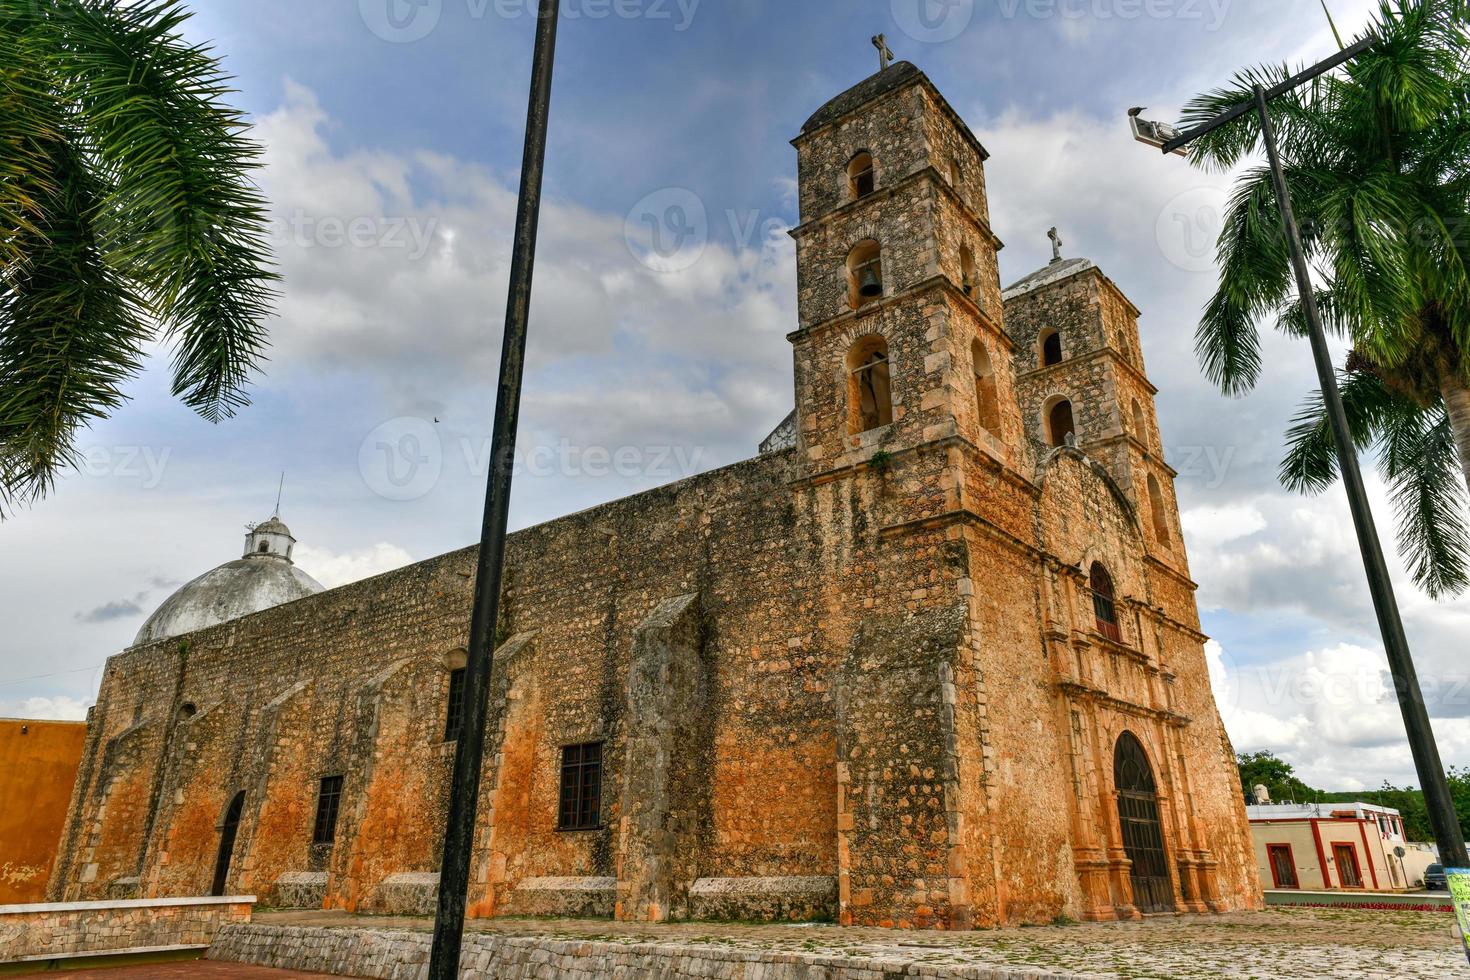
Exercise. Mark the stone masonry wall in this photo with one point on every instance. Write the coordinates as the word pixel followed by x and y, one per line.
pixel 44 932
pixel 405 955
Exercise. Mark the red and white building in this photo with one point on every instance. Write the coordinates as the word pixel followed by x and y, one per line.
pixel 1330 846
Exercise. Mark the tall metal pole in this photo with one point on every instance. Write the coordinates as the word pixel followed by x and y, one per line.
pixel 464 793
pixel 1406 679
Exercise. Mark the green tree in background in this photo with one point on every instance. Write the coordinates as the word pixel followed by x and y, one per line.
pixel 1378 162
pixel 1277 775
pixel 127 215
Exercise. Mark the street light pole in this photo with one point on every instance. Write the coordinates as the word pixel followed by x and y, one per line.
pixel 1401 663
pixel 464 792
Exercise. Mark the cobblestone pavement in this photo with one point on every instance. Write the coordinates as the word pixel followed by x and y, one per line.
pixel 184 970
pixel 1285 943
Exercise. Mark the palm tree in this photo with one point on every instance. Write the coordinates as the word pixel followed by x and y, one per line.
pixel 1378 163
pixel 127 215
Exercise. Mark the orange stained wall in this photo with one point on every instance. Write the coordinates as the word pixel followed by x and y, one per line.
pixel 38 765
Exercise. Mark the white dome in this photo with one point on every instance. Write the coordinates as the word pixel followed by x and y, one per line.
pixel 263 578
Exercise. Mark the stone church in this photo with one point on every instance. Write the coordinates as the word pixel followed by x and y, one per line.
pixel 931 659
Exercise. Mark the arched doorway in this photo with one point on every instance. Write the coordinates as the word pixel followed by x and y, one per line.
pixel 1143 832
pixel 227 834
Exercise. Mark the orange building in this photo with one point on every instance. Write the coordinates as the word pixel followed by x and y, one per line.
pixel 38 765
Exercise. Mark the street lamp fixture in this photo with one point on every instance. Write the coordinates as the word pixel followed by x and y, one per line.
pixel 1150 133
pixel 1401 664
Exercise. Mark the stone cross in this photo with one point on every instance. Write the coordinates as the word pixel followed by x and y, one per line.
pixel 1056 245
pixel 885 55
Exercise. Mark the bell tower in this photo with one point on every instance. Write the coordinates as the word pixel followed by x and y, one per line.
pixel 1081 381
pixel 899 340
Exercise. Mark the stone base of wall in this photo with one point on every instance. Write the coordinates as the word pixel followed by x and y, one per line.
pixel 571 898
pixel 30 933
pixel 405 956
pixel 415 893
pixel 784 899
pixel 299 890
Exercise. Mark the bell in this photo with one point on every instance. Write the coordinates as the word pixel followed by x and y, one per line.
pixel 871 286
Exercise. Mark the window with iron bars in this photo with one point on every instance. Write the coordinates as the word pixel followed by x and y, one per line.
pixel 328 801
pixel 581 787
pixel 454 710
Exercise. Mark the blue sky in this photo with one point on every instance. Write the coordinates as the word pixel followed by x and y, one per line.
pixel 392 165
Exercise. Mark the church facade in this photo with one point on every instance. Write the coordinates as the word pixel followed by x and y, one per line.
pixel 931 660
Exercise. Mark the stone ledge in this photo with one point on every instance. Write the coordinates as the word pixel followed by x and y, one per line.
pixel 129 903
pixel 409 893
pixel 138 951
pixel 61 931
pixel 387 955
pixel 300 890
pixel 589 897
pixel 791 898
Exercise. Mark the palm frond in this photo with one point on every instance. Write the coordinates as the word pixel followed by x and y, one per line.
pixel 70 334
pixel 1429 497
pixel 190 227
pixel 1310 464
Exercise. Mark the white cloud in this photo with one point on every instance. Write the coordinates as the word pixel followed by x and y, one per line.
pixel 60 708
pixel 333 570
pixel 1214 526
pixel 1331 713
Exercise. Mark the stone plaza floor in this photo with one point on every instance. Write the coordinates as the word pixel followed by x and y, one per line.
pixel 1285 943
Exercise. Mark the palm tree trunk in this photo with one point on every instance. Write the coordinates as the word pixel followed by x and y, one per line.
pixel 1457 405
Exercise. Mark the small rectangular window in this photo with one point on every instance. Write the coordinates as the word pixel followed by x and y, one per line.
pixel 454 713
pixel 581 787
pixel 328 800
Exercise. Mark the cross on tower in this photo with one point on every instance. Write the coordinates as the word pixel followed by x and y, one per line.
pixel 1056 245
pixel 885 55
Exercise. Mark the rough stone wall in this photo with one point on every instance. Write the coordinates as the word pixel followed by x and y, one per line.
pixel 45 932
pixel 405 956
pixel 350 683
pixel 891 130
pixel 38 765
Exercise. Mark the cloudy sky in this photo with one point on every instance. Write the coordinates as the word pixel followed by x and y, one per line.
pixel 393 134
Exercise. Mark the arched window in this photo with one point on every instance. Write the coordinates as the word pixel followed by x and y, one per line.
pixel 229 828
pixel 456 663
pixel 1140 423
pixel 967 270
pixel 1104 603
pixel 869 395
pixel 265 546
pixel 1156 505
pixel 1061 429
pixel 861 178
pixel 986 399
pixel 864 273
pixel 1051 347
